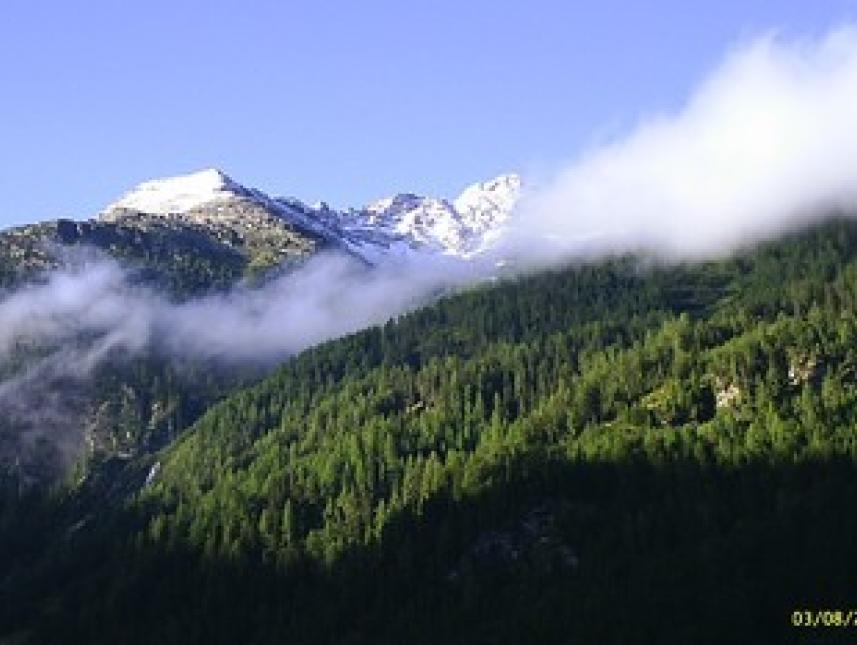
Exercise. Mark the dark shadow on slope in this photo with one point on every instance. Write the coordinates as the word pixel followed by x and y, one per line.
pixel 628 552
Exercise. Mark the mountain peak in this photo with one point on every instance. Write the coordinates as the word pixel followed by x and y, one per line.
pixel 497 194
pixel 456 227
pixel 179 194
pixel 399 223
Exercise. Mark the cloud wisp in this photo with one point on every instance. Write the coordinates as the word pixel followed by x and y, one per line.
pixel 329 296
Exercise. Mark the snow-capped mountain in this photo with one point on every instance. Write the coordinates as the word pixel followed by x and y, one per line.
pixel 180 194
pixel 455 228
pixel 401 224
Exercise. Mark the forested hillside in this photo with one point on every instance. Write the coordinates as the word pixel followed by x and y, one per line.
pixel 620 451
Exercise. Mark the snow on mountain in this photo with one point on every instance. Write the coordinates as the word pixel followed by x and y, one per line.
pixel 180 194
pixel 397 225
pixel 424 222
pixel 482 206
pixel 458 228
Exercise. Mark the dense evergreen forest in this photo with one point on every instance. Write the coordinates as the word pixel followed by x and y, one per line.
pixel 616 452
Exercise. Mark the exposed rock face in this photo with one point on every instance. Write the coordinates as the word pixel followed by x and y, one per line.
pixel 805 368
pixel 727 395
pixel 213 204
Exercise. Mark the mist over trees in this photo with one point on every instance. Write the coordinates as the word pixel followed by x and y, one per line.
pixel 528 461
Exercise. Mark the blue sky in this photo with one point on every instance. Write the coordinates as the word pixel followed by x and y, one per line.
pixel 343 101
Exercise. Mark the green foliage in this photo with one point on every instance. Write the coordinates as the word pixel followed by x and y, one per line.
pixel 608 453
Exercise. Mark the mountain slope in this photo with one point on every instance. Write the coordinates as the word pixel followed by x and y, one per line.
pixel 234 216
pixel 185 237
pixel 205 230
pixel 401 223
pixel 521 462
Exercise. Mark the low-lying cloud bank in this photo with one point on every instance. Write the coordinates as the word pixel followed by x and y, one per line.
pixel 54 335
pixel 768 141
pixel 329 296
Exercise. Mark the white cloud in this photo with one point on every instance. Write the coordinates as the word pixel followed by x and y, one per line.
pixel 767 141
